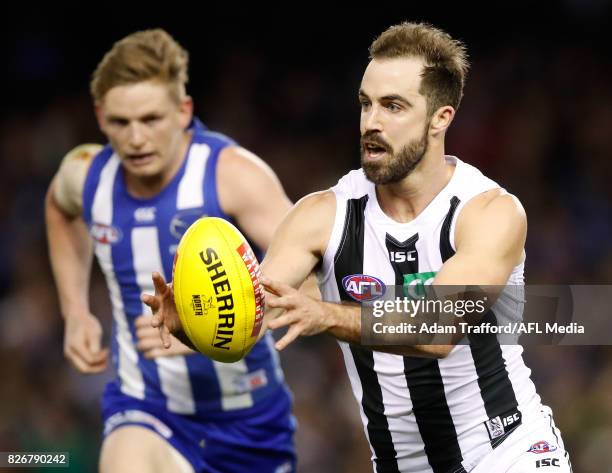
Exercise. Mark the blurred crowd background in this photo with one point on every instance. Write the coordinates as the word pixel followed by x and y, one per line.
pixel 537 117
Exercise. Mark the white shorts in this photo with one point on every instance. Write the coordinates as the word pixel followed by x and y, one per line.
pixel 537 448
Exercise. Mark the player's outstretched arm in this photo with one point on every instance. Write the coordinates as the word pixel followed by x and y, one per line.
pixel 295 251
pixel 71 252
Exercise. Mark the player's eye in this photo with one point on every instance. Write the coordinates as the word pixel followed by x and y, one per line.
pixel 151 119
pixel 118 121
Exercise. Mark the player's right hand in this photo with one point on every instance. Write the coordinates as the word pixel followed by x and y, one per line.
pixel 150 344
pixel 165 316
pixel 82 343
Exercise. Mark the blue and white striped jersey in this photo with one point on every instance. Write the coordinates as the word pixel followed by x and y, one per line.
pixel 134 237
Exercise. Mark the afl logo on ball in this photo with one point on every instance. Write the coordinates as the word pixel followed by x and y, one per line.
pixel 362 287
pixel 105 234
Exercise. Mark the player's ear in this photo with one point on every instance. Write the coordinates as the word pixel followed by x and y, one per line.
pixel 186 111
pixel 100 116
pixel 441 119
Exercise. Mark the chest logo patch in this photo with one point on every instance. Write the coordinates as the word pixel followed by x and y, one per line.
pixel 362 287
pixel 182 220
pixel 105 234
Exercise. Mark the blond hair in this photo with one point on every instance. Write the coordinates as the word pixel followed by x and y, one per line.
pixel 142 56
pixel 445 60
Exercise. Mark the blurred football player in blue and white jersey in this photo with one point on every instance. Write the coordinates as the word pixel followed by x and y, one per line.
pixel 129 202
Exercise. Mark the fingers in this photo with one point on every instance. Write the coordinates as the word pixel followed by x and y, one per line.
pixel 94 344
pixel 276 287
pixel 142 321
pixel 160 284
pixel 286 302
pixel 152 301
pixel 282 321
pixel 164 333
pixel 157 320
pixel 157 352
pixel 148 336
pixel 82 344
pixel 79 361
pixel 149 343
pixel 293 333
pixel 153 348
pixel 89 348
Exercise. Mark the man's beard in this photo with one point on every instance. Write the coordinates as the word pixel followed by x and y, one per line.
pixel 395 166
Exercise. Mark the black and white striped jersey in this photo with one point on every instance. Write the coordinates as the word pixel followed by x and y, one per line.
pixel 420 414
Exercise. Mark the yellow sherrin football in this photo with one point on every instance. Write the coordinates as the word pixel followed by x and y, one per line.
pixel 217 292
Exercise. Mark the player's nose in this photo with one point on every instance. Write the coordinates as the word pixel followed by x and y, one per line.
pixel 136 135
pixel 371 120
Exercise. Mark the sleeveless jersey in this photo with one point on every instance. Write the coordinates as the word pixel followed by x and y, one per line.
pixel 422 414
pixel 134 237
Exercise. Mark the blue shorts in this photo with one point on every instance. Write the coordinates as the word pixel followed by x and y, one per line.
pixel 260 443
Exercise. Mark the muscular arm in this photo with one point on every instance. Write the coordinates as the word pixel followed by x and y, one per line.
pixel 70 248
pixel 250 192
pixel 490 235
pixel 70 252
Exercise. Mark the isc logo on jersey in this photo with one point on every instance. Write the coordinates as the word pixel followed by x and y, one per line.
pixel 402 256
pixel 362 287
pixel 217 292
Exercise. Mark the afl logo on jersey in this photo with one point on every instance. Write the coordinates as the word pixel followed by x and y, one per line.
pixel 183 220
pixel 362 287
pixel 105 234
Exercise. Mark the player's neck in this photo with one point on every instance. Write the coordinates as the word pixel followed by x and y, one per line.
pixel 405 200
pixel 145 187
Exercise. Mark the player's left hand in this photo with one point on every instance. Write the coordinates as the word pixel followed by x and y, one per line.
pixel 150 343
pixel 165 316
pixel 304 315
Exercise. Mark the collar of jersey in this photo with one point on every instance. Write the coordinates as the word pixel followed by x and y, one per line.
pixel 439 202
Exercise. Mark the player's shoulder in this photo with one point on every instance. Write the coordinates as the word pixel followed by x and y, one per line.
pixel 494 201
pixel 492 210
pixel 78 160
pixel 318 202
pixel 234 159
pixel 212 138
pixel 70 179
pixel 353 184
pixel 241 172
pixel 83 153
pixel 311 220
pixel 315 211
